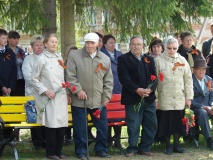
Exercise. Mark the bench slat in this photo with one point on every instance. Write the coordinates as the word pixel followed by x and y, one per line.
pixel 116 115
pixel 12 109
pixel 15 100
pixel 14 117
pixel 115 106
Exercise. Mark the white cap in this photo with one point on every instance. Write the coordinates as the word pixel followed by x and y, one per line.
pixel 91 37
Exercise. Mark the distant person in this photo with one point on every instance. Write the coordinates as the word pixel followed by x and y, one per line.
pixel 207 43
pixel 47 78
pixel 13 40
pixel 37 134
pixel 156 47
pixel 109 50
pixel 8 71
pixel 187 49
pixel 100 41
pixel 177 36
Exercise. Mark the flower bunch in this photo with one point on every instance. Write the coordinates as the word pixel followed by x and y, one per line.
pixel 189 119
pixel 63 86
pixel 97 112
pixel 154 80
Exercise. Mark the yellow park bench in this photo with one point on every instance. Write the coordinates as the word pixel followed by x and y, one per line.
pixel 12 111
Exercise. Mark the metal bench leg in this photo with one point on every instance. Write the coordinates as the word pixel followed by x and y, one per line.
pixel 13 147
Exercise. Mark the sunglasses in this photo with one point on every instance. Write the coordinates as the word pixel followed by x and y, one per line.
pixel 172 48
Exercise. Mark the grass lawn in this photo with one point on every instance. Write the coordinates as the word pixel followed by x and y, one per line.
pixel 26 151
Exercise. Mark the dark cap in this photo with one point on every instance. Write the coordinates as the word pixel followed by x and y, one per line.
pixel 200 63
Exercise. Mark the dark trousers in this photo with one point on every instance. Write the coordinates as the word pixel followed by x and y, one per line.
pixel 20 88
pixel 79 130
pixel 68 133
pixel 54 141
pixel 203 121
pixel 116 137
pixel 145 117
pixel 38 136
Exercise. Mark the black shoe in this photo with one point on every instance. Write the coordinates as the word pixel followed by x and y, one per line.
pixel 178 150
pixel 168 151
pixel 82 157
pixel 52 157
pixel 102 154
pixel 209 143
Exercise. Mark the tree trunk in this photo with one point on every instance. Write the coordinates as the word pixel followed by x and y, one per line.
pixel 50 14
pixel 67 26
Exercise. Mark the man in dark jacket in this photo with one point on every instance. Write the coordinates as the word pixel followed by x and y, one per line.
pixel 207 44
pixel 8 68
pixel 203 99
pixel 134 72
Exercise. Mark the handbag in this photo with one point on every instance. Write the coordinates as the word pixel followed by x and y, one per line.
pixel 31 112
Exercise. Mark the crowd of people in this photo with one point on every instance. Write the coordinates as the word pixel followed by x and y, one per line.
pixel 155 88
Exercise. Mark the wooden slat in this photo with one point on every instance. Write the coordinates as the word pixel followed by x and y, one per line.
pixel 115 98
pixel 116 115
pixel 15 99
pixel 13 117
pixel 12 109
pixel 115 106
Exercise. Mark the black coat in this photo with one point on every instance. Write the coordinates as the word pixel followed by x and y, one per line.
pixel 206 47
pixel 8 69
pixel 134 74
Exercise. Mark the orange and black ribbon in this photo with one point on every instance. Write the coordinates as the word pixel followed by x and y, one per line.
pixel 209 85
pixel 99 67
pixel 61 64
pixel 146 60
pixel 177 64
pixel 195 51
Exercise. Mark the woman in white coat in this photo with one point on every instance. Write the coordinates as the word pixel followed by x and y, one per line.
pixel 37 134
pixel 48 76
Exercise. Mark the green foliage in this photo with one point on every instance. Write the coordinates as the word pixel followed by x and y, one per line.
pixel 123 18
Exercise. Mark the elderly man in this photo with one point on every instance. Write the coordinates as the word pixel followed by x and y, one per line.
pixel 203 98
pixel 134 72
pixel 89 70
pixel 207 44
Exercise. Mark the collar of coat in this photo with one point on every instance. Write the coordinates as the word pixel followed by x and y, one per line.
pixel 86 54
pixel 50 54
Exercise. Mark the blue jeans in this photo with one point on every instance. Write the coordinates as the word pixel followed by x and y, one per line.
pixel 79 130
pixel 145 117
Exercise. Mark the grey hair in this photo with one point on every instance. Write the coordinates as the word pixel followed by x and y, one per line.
pixel 36 38
pixel 136 37
pixel 170 40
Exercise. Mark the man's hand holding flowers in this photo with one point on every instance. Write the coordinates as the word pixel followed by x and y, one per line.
pixel 143 92
pixel 208 109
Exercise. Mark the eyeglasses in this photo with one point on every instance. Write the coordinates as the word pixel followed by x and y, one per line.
pixel 171 48
pixel 136 44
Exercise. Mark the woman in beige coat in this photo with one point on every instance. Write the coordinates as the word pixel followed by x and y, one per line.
pixel 174 93
pixel 48 76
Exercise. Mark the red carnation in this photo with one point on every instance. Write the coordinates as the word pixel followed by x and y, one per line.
pixel 184 121
pixel 67 84
pixel 97 114
pixel 161 76
pixel 73 88
pixel 63 85
pixel 153 77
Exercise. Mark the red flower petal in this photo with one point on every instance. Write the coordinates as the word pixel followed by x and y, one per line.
pixel 161 76
pixel 73 88
pixel 67 84
pixel 153 77
pixel 63 85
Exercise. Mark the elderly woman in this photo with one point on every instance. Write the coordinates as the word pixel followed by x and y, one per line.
pixel 47 77
pixel 156 47
pixel 188 50
pixel 174 93
pixel 37 134
pixel 109 49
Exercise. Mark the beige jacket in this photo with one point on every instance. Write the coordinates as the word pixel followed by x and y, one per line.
pixel 47 74
pixel 177 85
pixel 81 72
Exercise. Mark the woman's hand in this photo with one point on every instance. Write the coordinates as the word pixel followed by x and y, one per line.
pixel 69 100
pixel 50 94
pixel 188 102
